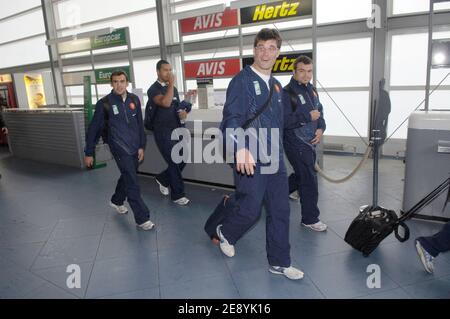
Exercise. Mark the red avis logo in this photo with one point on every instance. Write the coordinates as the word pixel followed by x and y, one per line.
pixel 214 21
pixel 211 69
pixel 215 68
pixel 207 22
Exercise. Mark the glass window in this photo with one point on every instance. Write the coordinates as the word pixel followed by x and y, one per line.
pixel 75 12
pixel 279 25
pixel 145 73
pixel 210 35
pixel 414 6
pixel 19 6
pixel 210 54
pixel 402 104
pixel 355 106
pixel 409 60
pixel 180 7
pixel 22 26
pixel 12 53
pixel 344 63
pixel 334 11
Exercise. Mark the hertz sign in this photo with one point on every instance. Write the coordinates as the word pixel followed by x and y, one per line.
pixel 283 64
pixel 276 11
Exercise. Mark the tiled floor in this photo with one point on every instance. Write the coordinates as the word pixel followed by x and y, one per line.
pixel 53 216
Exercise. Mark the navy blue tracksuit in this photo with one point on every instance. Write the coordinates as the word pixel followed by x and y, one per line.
pixel 246 93
pixel 125 137
pixel 165 121
pixel 438 243
pixel 299 130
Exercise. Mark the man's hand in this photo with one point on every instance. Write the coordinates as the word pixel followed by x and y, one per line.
pixel 318 137
pixel 171 81
pixel 140 154
pixel 315 115
pixel 182 114
pixel 89 161
pixel 5 130
pixel 245 164
pixel 190 96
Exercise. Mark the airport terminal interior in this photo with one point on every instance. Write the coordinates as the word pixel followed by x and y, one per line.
pixel 372 59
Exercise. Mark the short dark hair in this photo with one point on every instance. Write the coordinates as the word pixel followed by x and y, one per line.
pixel 268 34
pixel 302 59
pixel 160 64
pixel 119 73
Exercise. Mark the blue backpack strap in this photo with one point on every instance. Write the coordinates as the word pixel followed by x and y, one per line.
pixel 293 97
pixel 106 108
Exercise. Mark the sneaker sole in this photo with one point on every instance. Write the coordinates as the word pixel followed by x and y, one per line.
pixel 182 204
pixel 317 230
pixel 220 246
pixel 165 193
pixel 226 254
pixel 273 271
pixel 422 258
pixel 120 213
pixel 146 228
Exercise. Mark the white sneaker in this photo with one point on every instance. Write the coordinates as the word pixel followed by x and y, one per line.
pixel 121 209
pixel 425 258
pixel 147 225
pixel 290 272
pixel 164 190
pixel 319 226
pixel 182 201
pixel 294 195
pixel 225 246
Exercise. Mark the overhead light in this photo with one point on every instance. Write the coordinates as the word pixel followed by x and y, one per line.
pixel 441 54
pixel 198 12
pixel 89 34
pixel 439 58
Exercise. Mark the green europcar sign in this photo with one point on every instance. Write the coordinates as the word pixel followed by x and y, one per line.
pixel 103 76
pixel 114 39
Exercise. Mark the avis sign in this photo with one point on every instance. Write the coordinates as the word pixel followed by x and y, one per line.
pixel 210 22
pixel 212 68
pixel 276 11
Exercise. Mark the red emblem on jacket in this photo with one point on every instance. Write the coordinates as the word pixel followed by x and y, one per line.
pixel 132 106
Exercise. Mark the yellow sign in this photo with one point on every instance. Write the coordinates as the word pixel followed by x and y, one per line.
pixel 5 78
pixel 35 90
pixel 276 11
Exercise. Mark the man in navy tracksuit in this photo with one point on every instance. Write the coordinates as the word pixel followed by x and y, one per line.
pixel 169 114
pixel 304 127
pixel 126 140
pixel 247 92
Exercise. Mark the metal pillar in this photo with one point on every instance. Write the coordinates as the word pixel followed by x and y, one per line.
pixel 430 49
pixel 378 55
pixel 161 28
pixel 51 33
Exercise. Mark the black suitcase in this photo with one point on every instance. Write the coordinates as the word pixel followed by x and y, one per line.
pixel 373 224
pixel 218 215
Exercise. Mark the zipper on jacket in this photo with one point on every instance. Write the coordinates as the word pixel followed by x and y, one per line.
pixel 125 111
